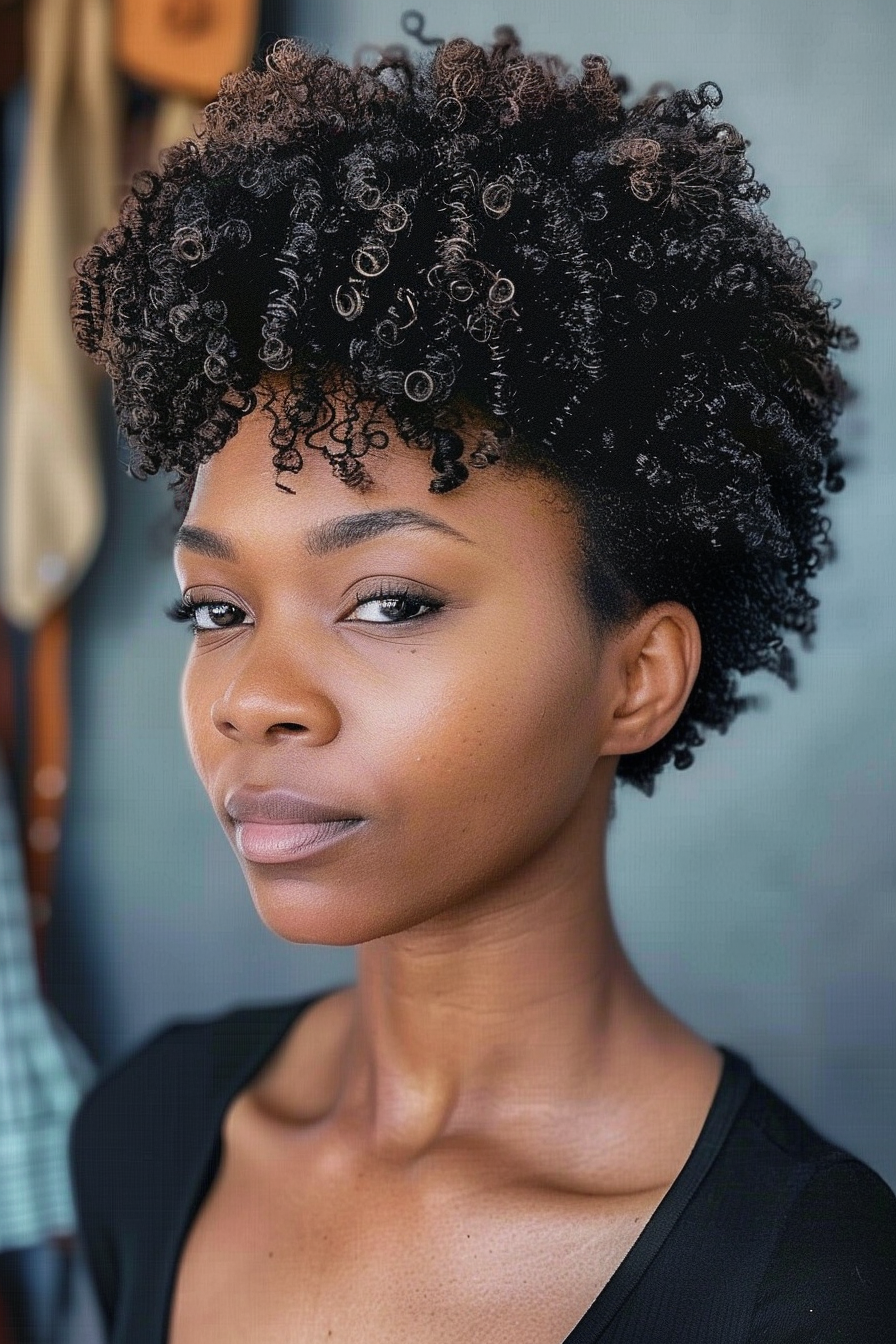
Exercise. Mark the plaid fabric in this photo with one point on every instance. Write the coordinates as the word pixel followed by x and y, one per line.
pixel 43 1069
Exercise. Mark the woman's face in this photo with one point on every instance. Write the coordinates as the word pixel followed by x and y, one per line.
pixel 464 733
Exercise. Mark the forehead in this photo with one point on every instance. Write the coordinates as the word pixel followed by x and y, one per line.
pixel 513 515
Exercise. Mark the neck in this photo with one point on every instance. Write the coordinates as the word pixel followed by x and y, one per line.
pixel 519 996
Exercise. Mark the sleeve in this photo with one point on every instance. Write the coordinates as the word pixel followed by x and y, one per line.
pixel 90 1185
pixel 832 1276
pixel 99 1141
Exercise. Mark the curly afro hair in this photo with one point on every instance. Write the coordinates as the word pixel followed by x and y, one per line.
pixel 482 228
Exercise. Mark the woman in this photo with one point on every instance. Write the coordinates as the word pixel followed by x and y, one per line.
pixel 500 419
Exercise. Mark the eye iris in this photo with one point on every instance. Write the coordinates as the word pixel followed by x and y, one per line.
pixel 215 607
pixel 399 605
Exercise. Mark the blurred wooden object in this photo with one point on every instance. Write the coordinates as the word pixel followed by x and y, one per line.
pixel 7 699
pixel 184 46
pixel 47 766
pixel 46 781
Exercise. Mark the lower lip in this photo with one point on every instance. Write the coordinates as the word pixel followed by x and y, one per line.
pixel 284 842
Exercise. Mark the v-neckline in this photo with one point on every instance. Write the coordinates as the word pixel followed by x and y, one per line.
pixel 734 1083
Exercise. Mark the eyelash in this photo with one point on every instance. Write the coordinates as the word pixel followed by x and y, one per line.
pixel 185 609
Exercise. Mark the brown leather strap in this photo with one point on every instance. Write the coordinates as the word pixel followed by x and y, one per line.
pixel 47 767
pixel 7 699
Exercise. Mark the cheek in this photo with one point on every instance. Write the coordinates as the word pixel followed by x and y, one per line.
pixel 469 765
pixel 196 718
pixel 468 756
pixel 504 747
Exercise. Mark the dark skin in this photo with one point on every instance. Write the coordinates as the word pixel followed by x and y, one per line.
pixel 467 1143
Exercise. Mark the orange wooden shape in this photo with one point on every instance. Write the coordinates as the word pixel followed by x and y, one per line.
pixel 184 46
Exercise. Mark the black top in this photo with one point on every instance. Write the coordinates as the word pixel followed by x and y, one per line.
pixel 769 1235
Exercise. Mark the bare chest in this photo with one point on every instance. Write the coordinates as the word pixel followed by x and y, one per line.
pixel 293 1251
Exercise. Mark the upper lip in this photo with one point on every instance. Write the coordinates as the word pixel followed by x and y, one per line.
pixel 254 804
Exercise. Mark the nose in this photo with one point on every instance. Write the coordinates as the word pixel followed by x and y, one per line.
pixel 274 697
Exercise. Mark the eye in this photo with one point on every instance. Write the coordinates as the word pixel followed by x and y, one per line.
pixel 401 605
pixel 397 602
pixel 186 609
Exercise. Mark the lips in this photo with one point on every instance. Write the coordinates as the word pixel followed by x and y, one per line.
pixel 282 826
pixel 289 841
pixel 282 806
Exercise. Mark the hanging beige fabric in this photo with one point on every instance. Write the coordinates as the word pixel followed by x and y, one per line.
pixel 176 119
pixel 184 46
pixel 51 492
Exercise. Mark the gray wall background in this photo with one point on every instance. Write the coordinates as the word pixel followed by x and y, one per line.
pixel 756 890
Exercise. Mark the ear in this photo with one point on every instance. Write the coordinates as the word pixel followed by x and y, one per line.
pixel 654 666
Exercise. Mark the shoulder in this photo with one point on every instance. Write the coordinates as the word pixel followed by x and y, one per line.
pixel 119 1096
pixel 832 1272
pixel 141 1130
pixel 830 1267
pixel 132 1087
pixel 193 1059
pixel 146 1122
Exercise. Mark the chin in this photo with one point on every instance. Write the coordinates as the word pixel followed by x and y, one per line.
pixel 300 911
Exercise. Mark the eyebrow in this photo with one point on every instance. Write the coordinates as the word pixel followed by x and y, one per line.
pixel 336 534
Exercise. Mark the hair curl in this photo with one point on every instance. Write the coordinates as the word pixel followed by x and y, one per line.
pixel 481 227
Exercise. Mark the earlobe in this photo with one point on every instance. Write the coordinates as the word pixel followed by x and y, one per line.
pixel 658 661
